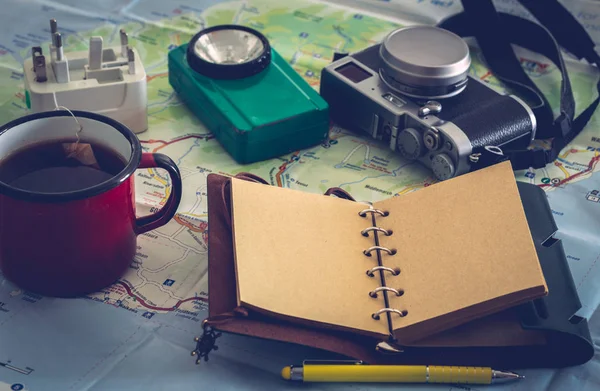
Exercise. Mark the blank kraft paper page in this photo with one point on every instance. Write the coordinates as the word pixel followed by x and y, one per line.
pixel 461 243
pixel 301 255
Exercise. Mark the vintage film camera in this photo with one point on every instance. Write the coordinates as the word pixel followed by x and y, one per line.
pixel 413 91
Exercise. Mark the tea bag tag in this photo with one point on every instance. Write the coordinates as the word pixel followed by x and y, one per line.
pixel 78 150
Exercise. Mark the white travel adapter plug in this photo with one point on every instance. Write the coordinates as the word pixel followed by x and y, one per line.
pixel 107 81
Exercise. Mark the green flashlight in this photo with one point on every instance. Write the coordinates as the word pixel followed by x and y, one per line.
pixel 246 94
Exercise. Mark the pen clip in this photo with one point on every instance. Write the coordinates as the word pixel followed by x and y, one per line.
pixel 332 362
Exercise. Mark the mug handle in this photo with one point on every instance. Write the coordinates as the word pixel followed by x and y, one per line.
pixel 166 213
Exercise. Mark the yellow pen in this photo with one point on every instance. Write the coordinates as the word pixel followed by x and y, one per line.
pixel 357 371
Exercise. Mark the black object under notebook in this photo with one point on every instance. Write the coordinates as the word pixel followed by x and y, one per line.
pixel 568 335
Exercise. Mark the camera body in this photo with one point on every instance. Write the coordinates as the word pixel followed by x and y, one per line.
pixel 442 118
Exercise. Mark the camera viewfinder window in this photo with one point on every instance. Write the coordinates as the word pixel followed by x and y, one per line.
pixel 353 72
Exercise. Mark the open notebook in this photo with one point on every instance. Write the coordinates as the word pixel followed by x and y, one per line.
pixel 408 266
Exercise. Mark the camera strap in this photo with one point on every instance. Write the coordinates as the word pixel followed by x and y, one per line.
pixel 495 32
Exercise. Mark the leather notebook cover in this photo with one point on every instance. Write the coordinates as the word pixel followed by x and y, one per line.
pixel 516 336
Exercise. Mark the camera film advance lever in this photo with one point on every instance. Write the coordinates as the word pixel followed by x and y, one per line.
pixel 414 92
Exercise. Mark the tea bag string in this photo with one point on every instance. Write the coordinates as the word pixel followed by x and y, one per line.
pixel 80 127
pixel 82 152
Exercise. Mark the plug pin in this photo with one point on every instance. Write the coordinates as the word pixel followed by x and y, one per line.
pixel 52 46
pixel 95 53
pixel 131 61
pixel 59 47
pixel 60 65
pixel 124 43
pixel 39 64
pixel 53 26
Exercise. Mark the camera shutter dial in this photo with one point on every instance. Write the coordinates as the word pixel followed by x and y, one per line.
pixel 442 167
pixel 410 144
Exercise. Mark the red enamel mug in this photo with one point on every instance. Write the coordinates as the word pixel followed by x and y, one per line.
pixel 71 243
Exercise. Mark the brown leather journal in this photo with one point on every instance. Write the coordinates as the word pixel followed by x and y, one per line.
pixel 544 332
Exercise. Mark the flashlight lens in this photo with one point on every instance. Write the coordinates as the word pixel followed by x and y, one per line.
pixel 229 47
pixel 229 52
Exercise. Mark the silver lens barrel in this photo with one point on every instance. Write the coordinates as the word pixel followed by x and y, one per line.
pixel 425 62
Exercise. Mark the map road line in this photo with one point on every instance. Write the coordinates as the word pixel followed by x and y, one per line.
pixel 590 168
pixel 144 304
pixel 284 167
pixel 166 143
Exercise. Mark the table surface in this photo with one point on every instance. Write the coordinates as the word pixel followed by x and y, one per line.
pixel 138 333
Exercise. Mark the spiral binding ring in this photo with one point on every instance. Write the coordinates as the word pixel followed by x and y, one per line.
pixel 371 272
pixel 386 232
pixel 373 293
pixel 367 252
pixel 401 314
pixel 364 212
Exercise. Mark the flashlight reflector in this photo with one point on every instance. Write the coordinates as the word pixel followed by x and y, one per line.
pixel 228 52
pixel 228 47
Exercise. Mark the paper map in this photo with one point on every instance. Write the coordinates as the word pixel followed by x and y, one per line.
pixel 137 334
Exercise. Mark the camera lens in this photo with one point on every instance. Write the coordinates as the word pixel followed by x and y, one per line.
pixel 228 52
pixel 425 62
